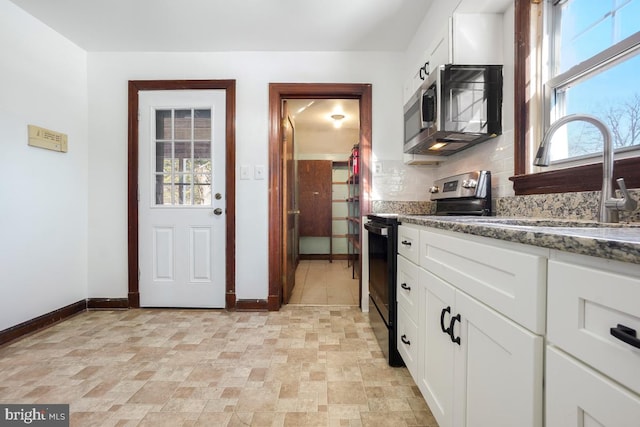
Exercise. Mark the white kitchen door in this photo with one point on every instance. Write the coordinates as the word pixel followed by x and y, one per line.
pixel 181 203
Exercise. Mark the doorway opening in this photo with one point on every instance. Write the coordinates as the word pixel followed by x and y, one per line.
pixel 326 134
pixel 303 248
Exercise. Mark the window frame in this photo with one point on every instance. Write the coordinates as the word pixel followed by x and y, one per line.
pixel 572 179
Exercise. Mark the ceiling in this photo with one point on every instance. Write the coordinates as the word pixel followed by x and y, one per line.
pixel 315 114
pixel 232 25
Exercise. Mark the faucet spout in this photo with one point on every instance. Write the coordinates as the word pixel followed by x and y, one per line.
pixel 606 213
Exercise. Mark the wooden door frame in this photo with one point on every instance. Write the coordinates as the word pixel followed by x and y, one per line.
pixel 277 93
pixel 135 86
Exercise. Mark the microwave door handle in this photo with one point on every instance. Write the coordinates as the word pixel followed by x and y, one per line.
pixel 428 106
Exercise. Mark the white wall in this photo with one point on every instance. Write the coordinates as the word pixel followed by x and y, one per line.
pixel 43 194
pixel 253 71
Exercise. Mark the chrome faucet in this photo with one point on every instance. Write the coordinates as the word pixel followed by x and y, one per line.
pixel 609 206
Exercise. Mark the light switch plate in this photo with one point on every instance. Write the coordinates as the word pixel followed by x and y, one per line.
pixel 259 172
pixel 245 172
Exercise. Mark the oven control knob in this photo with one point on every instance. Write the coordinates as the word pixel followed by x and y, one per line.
pixel 469 183
pixel 434 189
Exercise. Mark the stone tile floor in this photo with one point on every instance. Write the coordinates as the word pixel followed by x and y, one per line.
pixel 320 282
pixel 301 366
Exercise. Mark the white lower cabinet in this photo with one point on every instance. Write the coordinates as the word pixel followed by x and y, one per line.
pixel 407 340
pixel 480 310
pixel 477 367
pixel 407 296
pixel 474 364
pixel 436 351
pixel 593 350
pixel 578 396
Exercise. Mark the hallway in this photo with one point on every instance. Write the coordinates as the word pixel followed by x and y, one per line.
pixel 319 282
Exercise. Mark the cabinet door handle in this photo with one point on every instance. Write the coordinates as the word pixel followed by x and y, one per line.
pixel 405 340
pixel 626 334
pixel 424 69
pixel 444 310
pixel 405 287
pixel 406 243
pixel 451 331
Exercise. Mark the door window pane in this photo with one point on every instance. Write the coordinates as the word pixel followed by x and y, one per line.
pixel 202 124
pixel 202 189
pixel 163 156
pixel 163 124
pixel 183 124
pixel 183 157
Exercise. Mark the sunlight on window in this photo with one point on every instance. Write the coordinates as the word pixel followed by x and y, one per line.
pixel 596 55
pixel 183 172
pixel 588 27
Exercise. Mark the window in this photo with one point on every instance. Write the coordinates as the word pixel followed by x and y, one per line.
pixel 528 122
pixel 594 52
pixel 183 157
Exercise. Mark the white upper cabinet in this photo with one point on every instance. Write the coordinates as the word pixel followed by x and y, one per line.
pixel 469 38
pixel 466 38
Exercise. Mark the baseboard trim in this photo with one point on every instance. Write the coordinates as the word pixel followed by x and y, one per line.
pixel 41 322
pixel 55 316
pixel 251 305
pixel 107 303
pixel 327 257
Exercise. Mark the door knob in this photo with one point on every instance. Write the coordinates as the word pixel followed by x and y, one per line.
pixel 217 211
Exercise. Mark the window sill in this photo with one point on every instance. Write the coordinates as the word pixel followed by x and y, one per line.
pixel 580 178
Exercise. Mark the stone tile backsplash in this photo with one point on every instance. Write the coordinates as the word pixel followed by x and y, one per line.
pixel 405 208
pixel 582 205
pixel 579 206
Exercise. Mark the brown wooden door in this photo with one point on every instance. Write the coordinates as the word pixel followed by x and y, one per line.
pixel 290 206
pixel 314 183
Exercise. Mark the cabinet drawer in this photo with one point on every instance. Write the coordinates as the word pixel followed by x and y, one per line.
pixel 407 287
pixel 584 303
pixel 408 243
pixel 577 396
pixel 508 277
pixel 408 342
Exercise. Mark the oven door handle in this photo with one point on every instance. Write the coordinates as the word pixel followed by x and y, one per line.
pixel 377 229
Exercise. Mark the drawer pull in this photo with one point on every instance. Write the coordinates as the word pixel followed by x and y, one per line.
pixel 405 287
pixel 626 334
pixel 405 340
pixel 444 310
pixel 453 322
pixel 406 243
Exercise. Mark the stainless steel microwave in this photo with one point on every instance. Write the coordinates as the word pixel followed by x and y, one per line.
pixel 457 107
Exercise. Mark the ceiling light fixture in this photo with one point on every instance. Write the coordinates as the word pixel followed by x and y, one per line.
pixel 337 119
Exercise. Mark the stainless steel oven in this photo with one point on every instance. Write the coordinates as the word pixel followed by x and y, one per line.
pixel 383 232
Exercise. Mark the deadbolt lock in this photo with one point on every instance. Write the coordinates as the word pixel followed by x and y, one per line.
pixel 218 196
